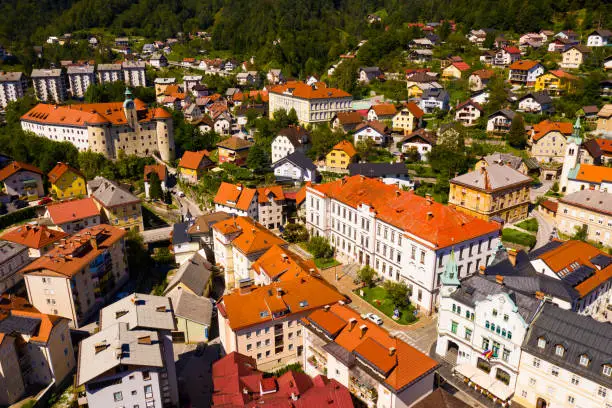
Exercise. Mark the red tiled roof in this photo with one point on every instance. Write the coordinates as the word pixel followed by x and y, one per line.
pixel 33 236
pixel 605 145
pixel 281 264
pixel 484 73
pixel 17 306
pixel 512 50
pixel 67 211
pixel 415 110
pixel 275 191
pixel 384 109
pixel 59 170
pixel 192 160
pixel 433 222
pixel 562 74
pixel 347 147
pixel 251 95
pixel 235 195
pixel 461 66
pixel 594 174
pixel 253 237
pixel 160 169
pixel 470 102
pixel 374 124
pixel 523 65
pixel 349 118
pixel 301 90
pixel 550 205
pixel 546 126
pixel 15 167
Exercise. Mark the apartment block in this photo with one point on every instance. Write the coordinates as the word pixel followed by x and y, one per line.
pixel 12 87
pixel 79 79
pixel 49 85
pixel 134 73
pixel 13 257
pixel 108 73
pixel 118 206
pixel 590 208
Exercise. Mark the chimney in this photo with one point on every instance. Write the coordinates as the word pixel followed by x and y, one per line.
pixel 352 323
pixel 94 243
pixel 285 257
pixel 512 256
pixel 539 295
pixel 481 269
pixel 430 216
pixel 279 292
pixel 326 308
pixel 499 279
pixel 363 329
pixel 293 396
pixel 398 193
pixel 428 198
pixel 391 351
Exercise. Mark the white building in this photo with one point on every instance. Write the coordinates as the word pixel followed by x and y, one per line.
pixel 296 167
pixel 288 141
pixel 189 81
pixel 13 257
pixel 237 199
pixel 110 73
pixel 587 207
pixel 79 79
pixel 134 73
pixel 49 85
pixel 500 121
pixel 599 38
pixel 12 87
pixel 566 362
pixel 468 112
pixel 374 131
pixel 404 237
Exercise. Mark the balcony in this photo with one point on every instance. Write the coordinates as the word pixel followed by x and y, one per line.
pixel 318 364
pixel 362 390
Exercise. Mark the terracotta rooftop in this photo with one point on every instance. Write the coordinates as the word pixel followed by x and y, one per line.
pixel 33 236
pixel 374 124
pixel 264 193
pixel 347 147
pixel 484 73
pixel 13 306
pixel 384 109
pixel 349 118
pixel 594 174
pixel 605 145
pixel 523 65
pixel 15 167
pixel 550 205
pixel 192 160
pixel 234 143
pixel 546 126
pixel 73 210
pixel 301 90
pixel 204 223
pixel 562 74
pixel 414 109
pixel 235 196
pixel 252 237
pixel 59 170
pixel 281 264
pixel 461 66
pixel 160 169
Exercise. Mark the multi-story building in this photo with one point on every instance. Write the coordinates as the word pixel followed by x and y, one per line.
pixel 108 73
pixel 12 87
pixel 80 77
pixel 13 257
pixel 492 192
pixel 201 230
pixel 341 156
pixel 566 362
pixel 49 85
pixel 161 172
pixel 130 361
pixel 67 182
pixel 434 99
pixel 74 215
pixel 237 199
pixel 289 140
pixel 548 140
pixel 468 112
pixel 271 207
pixel 280 264
pixel 233 150
pixel 263 322
pixel 35 349
pixel 404 237
pixel 481 327
pixel 107 128
pixel 500 121
pixel 589 177
pixel 238 242
pixel 590 208
pixel 480 79
pixel 408 118
pixel 506 56
pixel 39 239
pixel 599 38
pixel 313 104
pixel 22 180
pixel 389 173
pixel 379 369
pixel 556 82
pixel 134 73
pixel 604 120
pixel 525 72
pixel 193 165
pixel 119 207
pixel 507 159
pixel 575 56
pixel 75 278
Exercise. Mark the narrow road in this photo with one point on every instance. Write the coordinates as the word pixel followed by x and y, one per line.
pixel 545 229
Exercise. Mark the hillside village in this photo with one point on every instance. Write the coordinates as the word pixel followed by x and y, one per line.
pixel 181 227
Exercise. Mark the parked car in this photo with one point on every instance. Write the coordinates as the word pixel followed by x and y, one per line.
pixel 45 200
pixel 374 318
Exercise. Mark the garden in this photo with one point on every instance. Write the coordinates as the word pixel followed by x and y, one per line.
pixel 530 224
pixel 518 237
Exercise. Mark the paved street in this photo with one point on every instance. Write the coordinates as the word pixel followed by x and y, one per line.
pixel 545 228
pixel 541 190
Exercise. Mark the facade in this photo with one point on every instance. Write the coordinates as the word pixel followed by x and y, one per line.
pixel 263 322
pixel 341 156
pixel 119 207
pixel 480 79
pixel 80 77
pixel 346 121
pixel 389 173
pixel 555 82
pixel 49 85
pixel 105 128
pixel 420 140
pixel 379 369
pixel 271 205
pixel 13 257
pixel 67 182
pixel 12 87
pixel 548 140
pixel 500 121
pixel 492 192
pixel 506 56
pixel 108 73
pixel 193 165
pixel 35 348
pixel 592 208
pixel 313 104
pixel 535 102
pixel 183 246
pixel 78 276
pixel 22 180
pixel 134 73
pixel 561 366
pixel 383 111
pixel 295 167
pixel 455 70
pixel 604 120
pixel 72 216
pixel 525 72
pixel 574 56
pixel 373 131
pixel 237 199
pixel 201 230
pixel 404 237
pixel 234 150
pixel 288 141
pixel 468 112
pixel 589 177
pixel 408 118
pixel 434 98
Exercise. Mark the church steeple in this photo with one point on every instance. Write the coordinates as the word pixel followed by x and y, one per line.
pixel 450 278
pixel 576 133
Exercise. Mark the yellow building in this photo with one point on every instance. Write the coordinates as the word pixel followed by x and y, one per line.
pixel 455 70
pixel 193 165
pixel 341 155
pixel 556 82
pixel 492 191
pixel 234 150
pixel 121 208
pixel 408 118
pixel 415 91
pixel 67 182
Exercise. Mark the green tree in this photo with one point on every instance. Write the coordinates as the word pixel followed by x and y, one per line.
pixel 581 233
pixel 367 274
pixel 517 137
pixel 398 293
pixel 555 187
pixel 319 247
pixel 155 189
pixel 257 160
pixel 295 233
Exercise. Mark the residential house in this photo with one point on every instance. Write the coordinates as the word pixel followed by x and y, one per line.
pixel 420 140
pixel 77 277
pixel 404 237
pixel 67 182
pixel 263 322
pixel 293 389
pixel 347 121
pixel 468 112
pixel 22 180
pixel 80 77
pixel 567 35
pixel 562 366
pixel 389 173
pixel 455 70
pixel 290 140
pixel 194 276
pixel 434 99
pixel 201 231
pixel 560 44
pixel 535 102
pixel 164 86
pixel 237 199
pixel 589 177
pixel 373 131
pixel 233 150
pixel 555 82
pixel 506 56
pixel 492 192
pixel 118 206
pixel 162 175
pixel 599 38
pixel 479 79
pixel 108 73
pixel 422 43
pixel 193 315
pixel 295 167
pixel 39 239
pixel 367 74
pixel 248 78
pixel 419 81
pixel 408 118
pixel 130 361
pixel 193 165
pixel 271 207
pixel 275 77
pixel 477 37
pixel 279 265
pixel 192 113
pixel 13 86
pixel 158 60
pixel 533 40
pixel 487 57
pixel 604 120
pixel 341 155
pixel 35 349
pixel 517 163
pixel 525 72
pixel 421 55
pixel 574 56
pixel 49 85
pixel 379 369
pixel 189 81
pixel 548 140
pixel 13 257
pixel 590 208
pixel 73 215
pixel 500 121
pixel 313 104
pixel 183 246
pixel 382 112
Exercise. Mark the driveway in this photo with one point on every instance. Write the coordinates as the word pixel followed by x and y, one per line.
pixel 540 190
pixel 545 228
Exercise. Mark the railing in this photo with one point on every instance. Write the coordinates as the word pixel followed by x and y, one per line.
pixel 364 391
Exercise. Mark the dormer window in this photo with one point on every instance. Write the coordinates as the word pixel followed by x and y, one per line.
pixel 541 342
pixel 560 350
pixel 607 370
pixel 584 360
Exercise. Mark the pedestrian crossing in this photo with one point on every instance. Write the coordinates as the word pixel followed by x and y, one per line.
pixel 406 338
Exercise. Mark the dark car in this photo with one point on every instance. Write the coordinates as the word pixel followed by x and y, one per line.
pixel 20 204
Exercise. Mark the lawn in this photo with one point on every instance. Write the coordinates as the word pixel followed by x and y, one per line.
pixel 518 237
pixel 530 224
pixel 324 263
pixel 377 297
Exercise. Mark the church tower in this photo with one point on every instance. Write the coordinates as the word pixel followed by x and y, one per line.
pixel 450 278
pixel 572 155
pixel 130 110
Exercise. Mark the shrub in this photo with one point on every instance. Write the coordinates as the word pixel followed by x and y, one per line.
pixel 295 233
pixel 319 247
pixel 366 275
pixel 518 237
pixel 398 293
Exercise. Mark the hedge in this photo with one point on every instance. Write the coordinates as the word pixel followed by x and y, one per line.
pixel 17 216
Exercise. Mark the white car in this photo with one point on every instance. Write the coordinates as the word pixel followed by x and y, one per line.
pixel 374 318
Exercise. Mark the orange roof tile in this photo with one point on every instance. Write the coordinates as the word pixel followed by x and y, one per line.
pixel 374 124
pixel 192 160
pixel 252 236
pixel 347 147
pixel 235 195
pixel 33 236
pixel 594 174
pixel 415 110
pixel 433 222
pixel 301 90
pixel 160 169
pixel 301 194
pixel 74 210
pixel 15 167
pixel 384 109
pixel 264 192
pixel 461 66
pixel 18 306
pixel 605 145
pixel 349 118
pixel 251 95
pixel 484 73
pixel 281 264
pixel 234 143
pixel 289 297
pixel 546 126
pixel 523 65
pixel 59 170
pixel 562 74
pixel 76 252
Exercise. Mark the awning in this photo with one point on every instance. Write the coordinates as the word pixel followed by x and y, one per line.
pixel 466 370
pixel 500 390
pixel 483 380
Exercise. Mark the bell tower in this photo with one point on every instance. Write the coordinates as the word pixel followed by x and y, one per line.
pixel 130 110
pixel 572 155
pixel 450 278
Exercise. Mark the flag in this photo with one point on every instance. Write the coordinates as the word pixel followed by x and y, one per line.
pixel 488 354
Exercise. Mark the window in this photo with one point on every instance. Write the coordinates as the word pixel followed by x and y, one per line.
pixel 422 257
pixel 575 380
pixel 541 342
pixel 524 394
pixel 559 350
pixel 468 334
pixel 602 392
pixel 532 381
pixel 485 344
pixel 584 360
pixel 506 354
pixel 554 371
pixel 118 396
pixel 146 375
pixel 249 347
pixel 570 400
pixel 454 327
pixel 607 370
pixel 536 362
